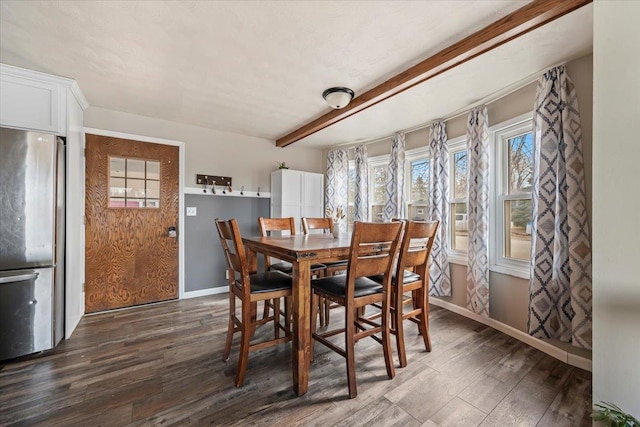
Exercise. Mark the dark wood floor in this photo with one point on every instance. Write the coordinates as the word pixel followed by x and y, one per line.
pixel 161 365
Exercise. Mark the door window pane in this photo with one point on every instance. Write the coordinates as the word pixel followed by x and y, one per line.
pixel 520 163
pixel 518 229
pixel 134 183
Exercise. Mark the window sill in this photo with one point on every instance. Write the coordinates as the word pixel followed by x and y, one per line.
pixel 462 259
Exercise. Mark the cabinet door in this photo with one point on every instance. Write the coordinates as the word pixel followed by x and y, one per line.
pixel 31 104
pixel 313 194
pixel 292 187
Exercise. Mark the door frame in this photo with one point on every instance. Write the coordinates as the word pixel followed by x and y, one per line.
pixel 181 213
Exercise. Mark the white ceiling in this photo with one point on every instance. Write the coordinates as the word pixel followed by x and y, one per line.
pixel 259 68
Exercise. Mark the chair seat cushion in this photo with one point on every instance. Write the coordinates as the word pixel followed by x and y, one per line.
pixel 409 277
pixel 337 285
pixel 287 268
pixel 269 281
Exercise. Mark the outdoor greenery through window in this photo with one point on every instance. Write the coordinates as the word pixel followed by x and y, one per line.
pixel 419 188
pixel 378 184
pixel 459 219
pixel 516 194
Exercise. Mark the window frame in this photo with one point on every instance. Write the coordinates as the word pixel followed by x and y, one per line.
pixel 421 153
pixel 374 162
pixel 455 145
pixel 499 135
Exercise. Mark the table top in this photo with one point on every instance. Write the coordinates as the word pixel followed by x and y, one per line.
pixel 295 248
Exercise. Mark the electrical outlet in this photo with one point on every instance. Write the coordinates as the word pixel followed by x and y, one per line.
pixel 192 211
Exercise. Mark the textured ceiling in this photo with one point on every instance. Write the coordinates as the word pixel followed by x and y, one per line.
pixel 259 68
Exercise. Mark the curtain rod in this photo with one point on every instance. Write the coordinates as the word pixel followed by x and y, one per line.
pixel 496 96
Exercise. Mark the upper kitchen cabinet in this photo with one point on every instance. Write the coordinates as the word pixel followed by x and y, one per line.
pixel 36 101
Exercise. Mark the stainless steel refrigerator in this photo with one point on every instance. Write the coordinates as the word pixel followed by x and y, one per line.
pixel 32 171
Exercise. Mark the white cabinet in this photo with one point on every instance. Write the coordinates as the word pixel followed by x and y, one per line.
pixel 297 194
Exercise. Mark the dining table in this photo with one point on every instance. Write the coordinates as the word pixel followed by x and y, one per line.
pixel 301 251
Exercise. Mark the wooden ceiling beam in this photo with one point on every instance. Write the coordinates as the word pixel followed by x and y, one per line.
pixel 517 23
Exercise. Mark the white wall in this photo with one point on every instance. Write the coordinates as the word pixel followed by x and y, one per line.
pixel 248 160
pixel 616 235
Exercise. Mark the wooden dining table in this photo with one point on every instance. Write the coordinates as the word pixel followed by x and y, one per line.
pixel 301 252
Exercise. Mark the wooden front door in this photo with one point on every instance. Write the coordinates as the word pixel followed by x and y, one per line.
pixel 132 201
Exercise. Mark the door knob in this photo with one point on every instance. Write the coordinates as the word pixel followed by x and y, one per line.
pixel 172 232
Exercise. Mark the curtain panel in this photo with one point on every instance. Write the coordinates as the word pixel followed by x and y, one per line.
pixel 337 179
pixel 394 192
pixel 560 282
pixel 361 190
pixel 439 274
pixel 478 211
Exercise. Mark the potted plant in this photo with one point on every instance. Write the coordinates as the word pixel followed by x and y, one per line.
pixel 282 165
pixel 610 415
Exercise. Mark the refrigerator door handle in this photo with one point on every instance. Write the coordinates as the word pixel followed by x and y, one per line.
pixel 18 277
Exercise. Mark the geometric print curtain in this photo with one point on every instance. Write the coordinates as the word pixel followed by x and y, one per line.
pixel 478 212
pixel 361 190
pixel 394 194
pixel 439 275
pixel 336 189
pixel 560 281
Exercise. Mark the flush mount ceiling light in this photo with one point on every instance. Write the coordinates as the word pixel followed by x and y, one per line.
pixel 338 97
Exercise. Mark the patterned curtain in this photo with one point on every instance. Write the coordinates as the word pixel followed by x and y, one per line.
pixel 337 179
pixel 560 283
pixel 478 211
pixel 394 194
pixel 439 275
pixel 361 198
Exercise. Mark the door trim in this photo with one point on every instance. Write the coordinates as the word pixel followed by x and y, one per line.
pixel 181 213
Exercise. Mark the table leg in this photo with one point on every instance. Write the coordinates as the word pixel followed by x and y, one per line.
pixel 301 343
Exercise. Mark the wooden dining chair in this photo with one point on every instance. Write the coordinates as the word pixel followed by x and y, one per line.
pixel 374 247
pixel 288 227
pixel 249 287
pixel 325 226
pixel 415 249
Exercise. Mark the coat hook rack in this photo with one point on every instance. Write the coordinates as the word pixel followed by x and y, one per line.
pixel 222 181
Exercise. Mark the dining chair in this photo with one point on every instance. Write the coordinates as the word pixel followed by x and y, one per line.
pixel 415 249
pixel 288 227
pixel 373 249
pixel 325 225
pixel 249 287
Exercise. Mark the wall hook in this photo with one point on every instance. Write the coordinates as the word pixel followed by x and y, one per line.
pixel 229 189
pixel 213 189
pixel 204 188
pixel 242 190
pixel 224 190
pixel 258 192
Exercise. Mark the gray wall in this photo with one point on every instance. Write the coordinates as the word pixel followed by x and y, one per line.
pixel 203 258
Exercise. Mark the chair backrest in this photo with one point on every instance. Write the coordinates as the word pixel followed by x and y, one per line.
pixel 374 247
pixel 324 224
pixel 268 225
pixel 237 266
pixel 416 247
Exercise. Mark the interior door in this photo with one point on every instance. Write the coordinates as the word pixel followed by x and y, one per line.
pixel 131 209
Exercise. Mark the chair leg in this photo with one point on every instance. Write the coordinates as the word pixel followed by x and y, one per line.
pixel 326 307
pixel 350 345
pixel 314 318
pixel 399 328
pixel 386 338
pixel 265 309
pixel 276 318
pixel 244 346
pixel 232 312
pixel 323 312
pixel 424 318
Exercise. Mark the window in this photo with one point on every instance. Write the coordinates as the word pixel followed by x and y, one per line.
pixel 377 186
pixel 134 183
pixel 458 164
pixel 514 149
pixel 418 181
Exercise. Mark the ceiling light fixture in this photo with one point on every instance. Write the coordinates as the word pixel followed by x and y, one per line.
pixel 338 97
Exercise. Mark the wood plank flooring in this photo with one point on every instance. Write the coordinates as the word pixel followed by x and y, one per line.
pixel 162 365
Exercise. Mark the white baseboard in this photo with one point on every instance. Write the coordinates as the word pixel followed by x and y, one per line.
pixel 205 292
pixel 545 347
